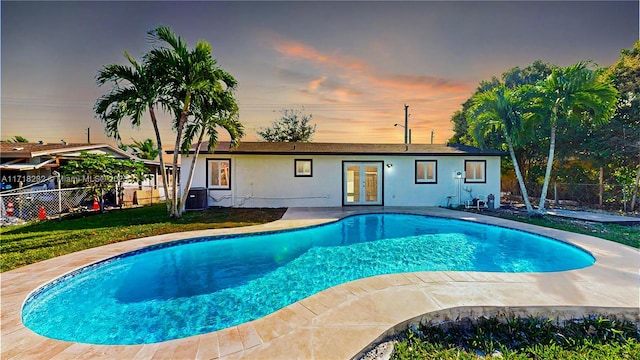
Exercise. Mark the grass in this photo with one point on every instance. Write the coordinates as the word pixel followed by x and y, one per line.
pixel 623 234
pixel 593 337
pixel 26 244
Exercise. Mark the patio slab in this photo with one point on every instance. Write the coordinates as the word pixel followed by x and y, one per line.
pixel 595 217
pixel 339 322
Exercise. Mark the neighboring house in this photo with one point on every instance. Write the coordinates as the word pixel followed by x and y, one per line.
pixel 264 174
pixel 31 162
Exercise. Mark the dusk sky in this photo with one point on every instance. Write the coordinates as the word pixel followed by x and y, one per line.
pixel 353 65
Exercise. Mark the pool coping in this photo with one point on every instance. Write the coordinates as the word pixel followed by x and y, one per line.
pixel 341 321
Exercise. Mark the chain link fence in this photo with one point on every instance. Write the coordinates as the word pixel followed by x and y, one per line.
pixel 17 207
pixel 23 205
pixel 614 196
pixel 607 196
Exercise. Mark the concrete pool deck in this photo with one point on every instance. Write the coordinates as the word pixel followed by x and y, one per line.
pixel 341 321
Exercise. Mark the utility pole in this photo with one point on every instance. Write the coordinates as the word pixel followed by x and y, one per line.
pixel 406 124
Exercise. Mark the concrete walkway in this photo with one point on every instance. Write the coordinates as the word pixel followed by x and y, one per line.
pixel 341 321
pixel 595 217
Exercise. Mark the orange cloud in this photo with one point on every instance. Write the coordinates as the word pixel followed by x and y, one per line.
pixel 356 102
pixel 295 49
pixel 315 83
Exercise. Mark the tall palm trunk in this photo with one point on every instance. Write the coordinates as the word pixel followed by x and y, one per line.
pixel 163 168
pixel 183 118
pixel 523 189
pixel 547 174
pixel 192 170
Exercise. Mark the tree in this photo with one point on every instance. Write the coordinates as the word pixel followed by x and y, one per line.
pixel 185 75
pixel 134 91
pixel 293 126
pixel 500 109
pixel 170 76
pixel 625 75
pixel 218 109
pixel 17 139
pixel 102 173
pixel 511 79
pixel 570 96
pixel 144 149
pixel 530 75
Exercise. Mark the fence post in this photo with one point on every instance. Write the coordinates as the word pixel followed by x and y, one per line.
pixel 601 188
pixel 20 203
pixel 57 174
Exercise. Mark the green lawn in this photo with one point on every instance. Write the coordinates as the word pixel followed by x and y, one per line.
pixel 623 234
pixel 30 243
pixel 27 244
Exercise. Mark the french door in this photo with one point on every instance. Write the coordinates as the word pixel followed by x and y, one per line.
pixel 362 183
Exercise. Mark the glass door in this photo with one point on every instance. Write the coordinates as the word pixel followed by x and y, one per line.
pixel 362 183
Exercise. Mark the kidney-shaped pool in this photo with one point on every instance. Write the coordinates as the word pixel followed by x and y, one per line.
pixel 189 287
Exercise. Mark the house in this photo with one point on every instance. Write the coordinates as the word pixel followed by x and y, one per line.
pixel 27 163
pixel 264 174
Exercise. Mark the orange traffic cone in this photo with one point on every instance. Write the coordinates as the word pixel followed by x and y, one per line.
pixel 96 206
pixel 9 209
pixel 42 214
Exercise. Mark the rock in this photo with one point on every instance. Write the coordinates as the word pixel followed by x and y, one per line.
pixel 382 351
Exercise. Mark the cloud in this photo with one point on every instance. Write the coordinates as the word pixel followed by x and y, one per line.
pixel 297 50
pixel 360 102
pixel 315 83
pixel 418 82
pixel 292 75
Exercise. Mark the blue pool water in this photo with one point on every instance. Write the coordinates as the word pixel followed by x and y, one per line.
pixel 197 286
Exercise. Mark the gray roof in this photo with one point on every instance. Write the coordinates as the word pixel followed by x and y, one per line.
pixel 313 148
pixel 32 150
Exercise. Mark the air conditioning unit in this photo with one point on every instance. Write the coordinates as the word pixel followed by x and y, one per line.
pixel 197 199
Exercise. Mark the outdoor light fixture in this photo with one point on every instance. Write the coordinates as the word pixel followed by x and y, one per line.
pixel 389 165
pixel 406 141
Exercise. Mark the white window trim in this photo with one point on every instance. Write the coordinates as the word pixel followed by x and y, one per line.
pixel 426 180
pixel 302 174
pixel 210 178
pixel 482 180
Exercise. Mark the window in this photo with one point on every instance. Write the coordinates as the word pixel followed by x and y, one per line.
pixel 426 171
pixel 303 167
pixel 475 171
pixel 219 174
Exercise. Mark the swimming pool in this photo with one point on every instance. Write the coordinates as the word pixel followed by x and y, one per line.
pixel 196 286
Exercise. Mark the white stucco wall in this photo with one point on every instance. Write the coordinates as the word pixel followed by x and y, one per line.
pixel 269 181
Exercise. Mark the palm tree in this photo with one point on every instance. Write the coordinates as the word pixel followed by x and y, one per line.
pixel 135 90
pixel 184 74
pixel 569 96
pixel 144 149
pixel 500 109
pixel 218 109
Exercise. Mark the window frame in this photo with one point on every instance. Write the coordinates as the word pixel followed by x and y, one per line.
pixel 435 172
pixel 474 180
pixel 295 168
pixel 209 178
